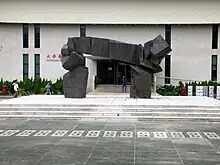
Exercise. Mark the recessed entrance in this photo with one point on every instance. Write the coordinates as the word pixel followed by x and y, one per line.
pixel 111 72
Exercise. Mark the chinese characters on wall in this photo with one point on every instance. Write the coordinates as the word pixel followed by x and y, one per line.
pixel 53 57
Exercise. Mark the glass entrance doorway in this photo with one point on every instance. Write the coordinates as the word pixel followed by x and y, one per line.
pixel 111 72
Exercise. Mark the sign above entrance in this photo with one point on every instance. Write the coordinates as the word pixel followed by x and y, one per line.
pixel 53 57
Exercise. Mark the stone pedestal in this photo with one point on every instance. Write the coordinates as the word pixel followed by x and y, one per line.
pixel 141 82
pixel 75 83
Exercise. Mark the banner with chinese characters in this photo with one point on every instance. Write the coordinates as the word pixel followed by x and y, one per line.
pixel 205 91
pixel 218 93
pixel 53 57
pixel 190 90
pixel 211 91
pixel 199 90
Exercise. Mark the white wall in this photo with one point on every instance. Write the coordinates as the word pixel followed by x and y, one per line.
pixel 11 63
pixel 192 50
pixel 92 68
pixel 190 58
pixel 135 34
pixel 52 38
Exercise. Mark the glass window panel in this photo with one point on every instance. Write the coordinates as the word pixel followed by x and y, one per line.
pixel 215 36
pixel 214 59
pixel 37 69
pixel 25 36
pixel 37 36
pixel 25 69
pixel 37 59
pixel 25 58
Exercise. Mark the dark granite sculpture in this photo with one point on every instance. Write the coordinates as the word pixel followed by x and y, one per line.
pixel 74 81
pixel 144 61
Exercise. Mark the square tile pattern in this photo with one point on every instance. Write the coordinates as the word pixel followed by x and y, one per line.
pixel 60 133
pixel 77 133
pixel 9 132
pixel 110 134
pixel 26 133
pixel 43 133
pixel 211 135
pixel 126 134
pixel 194 135
pixel 142 134
pixel 160 135
pixel 93 134
pixel 177 135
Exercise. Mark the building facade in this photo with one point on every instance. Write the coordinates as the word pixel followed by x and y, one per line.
pixel 33 32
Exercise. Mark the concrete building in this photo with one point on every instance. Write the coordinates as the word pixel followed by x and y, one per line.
pixel 32 33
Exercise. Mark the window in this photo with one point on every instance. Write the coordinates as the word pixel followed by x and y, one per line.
pixel 25 35
pixel 37 65
pixel 214 67
pixel 167 68
pixel 82 30
pixel 215 36
pixel 37 36
pixel 168 34
pixel 25 66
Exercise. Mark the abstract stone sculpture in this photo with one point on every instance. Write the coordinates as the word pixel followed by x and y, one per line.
pixel 74 81
pixel 143 60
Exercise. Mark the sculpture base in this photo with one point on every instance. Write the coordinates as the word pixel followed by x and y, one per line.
pixel 75 83
pixel 141 82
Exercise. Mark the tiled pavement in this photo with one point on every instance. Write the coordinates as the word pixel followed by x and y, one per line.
pixel 109 134
pixel 102 142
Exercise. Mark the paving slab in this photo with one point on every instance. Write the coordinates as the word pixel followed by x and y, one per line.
pixel 108 150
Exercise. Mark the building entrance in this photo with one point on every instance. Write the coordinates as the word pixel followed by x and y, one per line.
pixel 111 72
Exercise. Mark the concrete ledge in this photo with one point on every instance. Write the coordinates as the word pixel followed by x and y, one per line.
pixel 156 101
pixel 2 97
pixel 115 117
pixel 103 114
pixel 113 109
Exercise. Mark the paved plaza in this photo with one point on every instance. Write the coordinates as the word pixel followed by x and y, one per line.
pixel 108 142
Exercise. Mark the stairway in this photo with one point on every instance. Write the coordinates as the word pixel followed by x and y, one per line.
pixel 115 105
pixel 114 112
pixel 111 88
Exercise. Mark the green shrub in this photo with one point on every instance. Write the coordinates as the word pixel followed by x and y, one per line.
pixel 35 86
pixel 42 90
pixel 169 90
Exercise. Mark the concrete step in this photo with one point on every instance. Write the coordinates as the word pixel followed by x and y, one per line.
pixel 111 88
pixel 107 114
pixel 104 106
pixel 102 113
pixel 5 97
pixel 115 109
pixel 212 118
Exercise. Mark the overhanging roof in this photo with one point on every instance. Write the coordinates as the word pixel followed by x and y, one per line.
pixel 110 12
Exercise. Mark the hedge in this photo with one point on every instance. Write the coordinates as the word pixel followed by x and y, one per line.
pixel 35 86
